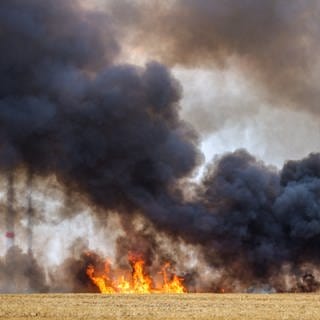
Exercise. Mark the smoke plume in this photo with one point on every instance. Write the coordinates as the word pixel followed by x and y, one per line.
pixel 275 43
pixel 111 135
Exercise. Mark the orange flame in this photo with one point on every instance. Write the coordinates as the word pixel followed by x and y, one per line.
pixel 100 282
pixel 173 286
pixel 139 282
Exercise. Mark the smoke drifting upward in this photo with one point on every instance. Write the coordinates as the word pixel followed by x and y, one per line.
pixel 273 42
pixel 60 115
pixel 270 219
pixel 30 212
pixel 10 212
pixel 20 272
pixel 112 137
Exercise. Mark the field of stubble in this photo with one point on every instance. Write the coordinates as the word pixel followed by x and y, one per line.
pixel 169 307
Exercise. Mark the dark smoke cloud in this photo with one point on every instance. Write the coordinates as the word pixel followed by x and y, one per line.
pixel 269 218
pixel 112 136
pixel 249 220
pixel 111 133
pixel 274 42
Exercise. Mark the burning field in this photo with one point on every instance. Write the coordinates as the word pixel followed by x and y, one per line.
pixel 105 190
pixel 134 281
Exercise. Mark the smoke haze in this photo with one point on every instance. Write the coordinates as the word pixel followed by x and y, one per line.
pixel 273 42
pixel 110 137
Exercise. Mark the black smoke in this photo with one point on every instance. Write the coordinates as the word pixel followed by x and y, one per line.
pixel 111 135
pixel 269 218
pixel 110 130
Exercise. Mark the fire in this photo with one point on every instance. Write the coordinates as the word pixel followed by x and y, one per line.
pixel 100 282
pixel 141 282
pixel 171 286
pixel 138 282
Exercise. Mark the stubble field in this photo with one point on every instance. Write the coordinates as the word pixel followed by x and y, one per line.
pixel 169 307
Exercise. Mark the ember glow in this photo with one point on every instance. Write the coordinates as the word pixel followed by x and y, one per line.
pixel 136 280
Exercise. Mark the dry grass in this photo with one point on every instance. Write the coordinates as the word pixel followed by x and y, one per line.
pixel 169 307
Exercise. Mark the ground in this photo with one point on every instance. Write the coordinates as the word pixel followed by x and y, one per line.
pixel 158 306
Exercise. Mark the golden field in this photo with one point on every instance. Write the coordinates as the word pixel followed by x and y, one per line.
pixel 161 306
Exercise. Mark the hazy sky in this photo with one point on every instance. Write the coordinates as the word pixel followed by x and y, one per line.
pixel 229 116
pixel 230 94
